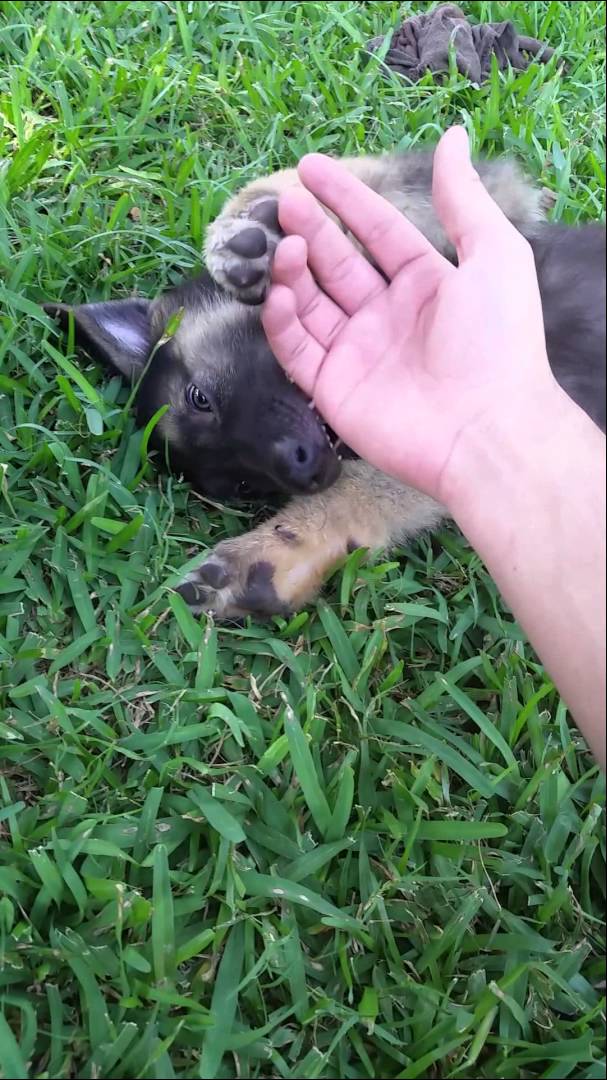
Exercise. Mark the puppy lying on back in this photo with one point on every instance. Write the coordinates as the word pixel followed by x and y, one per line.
pixel 238 429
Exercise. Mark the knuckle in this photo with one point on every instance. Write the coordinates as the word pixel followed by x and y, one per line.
pixel 341 268
pixel 310 306
pixel 333 331
pixel 377 233
pixel 299 348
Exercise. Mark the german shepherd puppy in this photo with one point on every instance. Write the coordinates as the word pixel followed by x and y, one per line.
pixel 238 429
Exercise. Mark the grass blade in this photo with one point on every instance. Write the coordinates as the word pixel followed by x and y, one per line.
pixel 217 816
pixel 223 1003
pixel 163 925
pixel 305 771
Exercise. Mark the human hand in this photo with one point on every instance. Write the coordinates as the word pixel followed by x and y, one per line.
pixel 406 369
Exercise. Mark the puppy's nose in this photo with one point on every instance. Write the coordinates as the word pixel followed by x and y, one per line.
pixel 306 465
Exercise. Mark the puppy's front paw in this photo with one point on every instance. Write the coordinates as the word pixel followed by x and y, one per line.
pixel 235 581
pixel 239 250
pixel 271 571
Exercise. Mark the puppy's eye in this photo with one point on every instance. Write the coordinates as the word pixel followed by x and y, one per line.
pixel 196 399
pixel 243 488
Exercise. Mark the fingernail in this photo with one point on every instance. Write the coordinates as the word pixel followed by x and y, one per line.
pixel 310 161
pixel 459 132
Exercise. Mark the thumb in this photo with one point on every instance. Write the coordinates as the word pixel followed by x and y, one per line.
pixel 469 215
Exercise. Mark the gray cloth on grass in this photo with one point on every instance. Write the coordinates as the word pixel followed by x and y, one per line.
pixel 422 44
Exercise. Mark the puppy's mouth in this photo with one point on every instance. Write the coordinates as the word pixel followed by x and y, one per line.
pixel 282 483
pixel 334 441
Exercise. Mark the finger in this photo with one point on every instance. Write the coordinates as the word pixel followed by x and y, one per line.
pixel 386 234
pixel 295 348
pixel 316 311
pixel 342 271
pixel 463 204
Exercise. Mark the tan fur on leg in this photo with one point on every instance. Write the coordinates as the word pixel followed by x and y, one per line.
pixel 281 565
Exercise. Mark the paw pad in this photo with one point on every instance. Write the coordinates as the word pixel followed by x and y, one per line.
pixel 250 243
pixel 232 583
pixel 240 250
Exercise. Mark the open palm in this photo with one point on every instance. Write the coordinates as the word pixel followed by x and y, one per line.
pixel 402 362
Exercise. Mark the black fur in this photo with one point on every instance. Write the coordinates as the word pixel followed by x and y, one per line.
pixel 570 265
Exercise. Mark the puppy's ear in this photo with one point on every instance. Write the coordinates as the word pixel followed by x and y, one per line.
pixel 117 332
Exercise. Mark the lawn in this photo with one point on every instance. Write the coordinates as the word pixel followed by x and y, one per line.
pixel 368 842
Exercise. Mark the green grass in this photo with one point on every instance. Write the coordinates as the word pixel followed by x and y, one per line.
pixel 366 843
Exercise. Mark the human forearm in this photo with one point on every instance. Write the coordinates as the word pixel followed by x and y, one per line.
pixel 528 490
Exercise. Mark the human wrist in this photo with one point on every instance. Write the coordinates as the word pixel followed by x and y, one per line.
pixel 497 455
pixel 529 494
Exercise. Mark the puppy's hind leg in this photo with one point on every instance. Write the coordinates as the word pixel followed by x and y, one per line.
pixel 241 242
